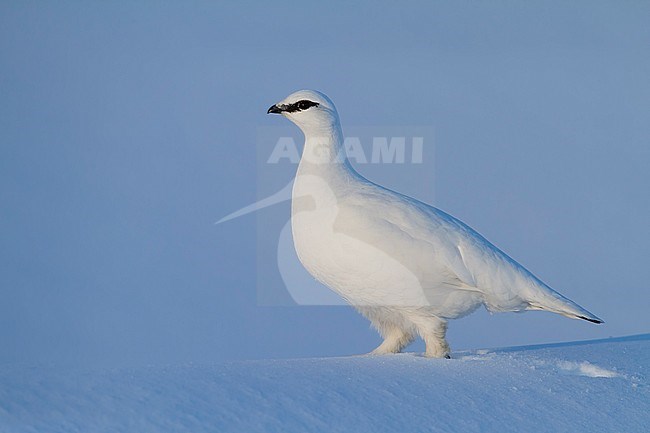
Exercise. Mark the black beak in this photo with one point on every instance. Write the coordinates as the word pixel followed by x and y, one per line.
pixel 274 109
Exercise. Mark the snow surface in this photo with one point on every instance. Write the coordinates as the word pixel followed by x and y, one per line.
pixel 594 386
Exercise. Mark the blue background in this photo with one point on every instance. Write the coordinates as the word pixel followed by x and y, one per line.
pixel 127 129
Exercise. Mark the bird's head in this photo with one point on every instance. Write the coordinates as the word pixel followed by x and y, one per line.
pixel 308 109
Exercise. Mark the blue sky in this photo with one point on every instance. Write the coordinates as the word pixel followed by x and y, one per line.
pixel 127 129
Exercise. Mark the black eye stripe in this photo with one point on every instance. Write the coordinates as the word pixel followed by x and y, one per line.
pixel 300 106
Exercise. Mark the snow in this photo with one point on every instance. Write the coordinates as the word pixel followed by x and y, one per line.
pixel 595 386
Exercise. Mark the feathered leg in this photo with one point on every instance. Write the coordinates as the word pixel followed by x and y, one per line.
pixel 432 330
pixel 396 330
pixel 395 339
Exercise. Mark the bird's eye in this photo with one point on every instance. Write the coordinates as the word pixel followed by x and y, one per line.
pixel 300 106
pixel 305 104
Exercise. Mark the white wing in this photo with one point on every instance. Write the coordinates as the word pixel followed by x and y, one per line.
pixel 447 255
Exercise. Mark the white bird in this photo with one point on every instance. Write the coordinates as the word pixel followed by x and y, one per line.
pixel 406 266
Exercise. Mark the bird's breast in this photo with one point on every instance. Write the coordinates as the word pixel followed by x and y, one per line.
pixel 361 271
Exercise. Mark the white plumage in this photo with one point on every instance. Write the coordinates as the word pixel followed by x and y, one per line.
pixel 407 266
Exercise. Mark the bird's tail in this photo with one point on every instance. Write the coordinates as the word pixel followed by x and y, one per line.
pixel 556 303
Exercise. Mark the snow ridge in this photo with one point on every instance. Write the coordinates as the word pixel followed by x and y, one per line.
pixel 571 387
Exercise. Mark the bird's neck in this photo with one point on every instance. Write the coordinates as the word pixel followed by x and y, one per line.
pixel 324 174
pixel 324 155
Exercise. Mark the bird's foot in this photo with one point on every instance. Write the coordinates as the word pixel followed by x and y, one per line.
pixel 437 349
pixel 385 350
pixel 396 339
pixel 437 355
